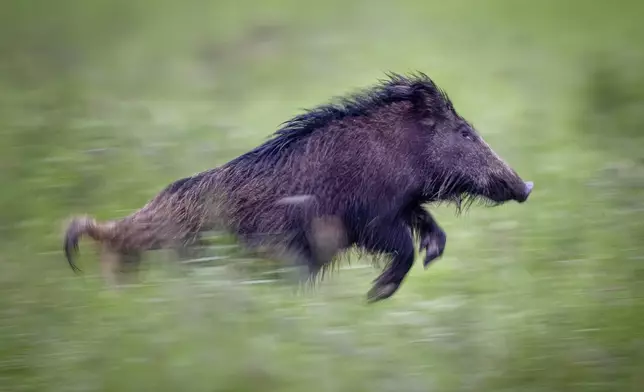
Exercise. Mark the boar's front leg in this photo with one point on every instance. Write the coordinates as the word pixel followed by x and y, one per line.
pixel 432 236
pixel 393 240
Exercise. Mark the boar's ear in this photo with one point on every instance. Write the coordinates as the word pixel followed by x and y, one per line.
pixel 413 94
pixel 406 93
pixel 400 91
pixel 420 100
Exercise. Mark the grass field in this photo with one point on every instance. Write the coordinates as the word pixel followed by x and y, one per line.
pixel 102 103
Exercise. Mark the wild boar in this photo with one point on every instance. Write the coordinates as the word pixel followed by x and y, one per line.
pixel 367 163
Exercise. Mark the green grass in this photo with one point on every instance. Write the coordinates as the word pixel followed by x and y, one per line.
pixel 103 103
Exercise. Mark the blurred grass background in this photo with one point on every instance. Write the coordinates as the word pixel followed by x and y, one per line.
pixel 102 103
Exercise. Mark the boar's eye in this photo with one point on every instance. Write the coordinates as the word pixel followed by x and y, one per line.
pixel 467 134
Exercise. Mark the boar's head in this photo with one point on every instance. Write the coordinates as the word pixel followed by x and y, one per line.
pixel 458 165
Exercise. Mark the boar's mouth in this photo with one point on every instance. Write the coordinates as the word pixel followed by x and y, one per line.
pixel 498 192
pixel 464 193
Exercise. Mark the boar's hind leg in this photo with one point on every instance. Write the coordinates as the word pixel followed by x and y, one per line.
pixel 114 264
pixel 191 248
pixel 432 236
pixel 130 265
pixel 393 240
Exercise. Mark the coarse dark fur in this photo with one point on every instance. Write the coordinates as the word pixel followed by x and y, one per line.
pixel 352 174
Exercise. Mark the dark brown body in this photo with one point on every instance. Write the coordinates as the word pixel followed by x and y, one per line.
pixel 360 169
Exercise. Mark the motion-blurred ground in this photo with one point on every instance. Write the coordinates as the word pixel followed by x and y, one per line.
pixel 102 103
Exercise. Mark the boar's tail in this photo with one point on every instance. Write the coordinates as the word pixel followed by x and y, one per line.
pixel 77 228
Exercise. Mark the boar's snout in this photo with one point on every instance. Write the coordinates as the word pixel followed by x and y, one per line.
pixel 528 185
pixel 508 186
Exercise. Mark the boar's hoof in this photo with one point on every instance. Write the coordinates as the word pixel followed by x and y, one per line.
pixel 381 291
pixel 434 246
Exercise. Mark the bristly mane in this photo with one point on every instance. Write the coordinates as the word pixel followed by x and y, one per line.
pixel 397 88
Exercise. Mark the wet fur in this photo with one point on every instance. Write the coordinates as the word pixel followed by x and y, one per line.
pixel 364 162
